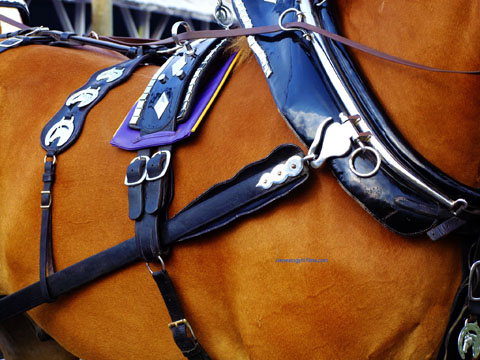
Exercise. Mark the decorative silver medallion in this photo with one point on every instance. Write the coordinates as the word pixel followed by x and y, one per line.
pixel 110 75
pixel 62 131
pixel 469 338
pixel 83 97
pixel 292 167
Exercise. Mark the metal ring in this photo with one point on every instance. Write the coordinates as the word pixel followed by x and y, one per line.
pixel 300 18
pixel 377 165
pixel 184 43
pixel 223 15
pixel 161 263
pixel 54 159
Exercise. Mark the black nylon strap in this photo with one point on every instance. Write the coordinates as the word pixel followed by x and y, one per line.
pixel 179 326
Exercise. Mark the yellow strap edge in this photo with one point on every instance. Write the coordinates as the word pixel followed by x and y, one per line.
pixel 215 94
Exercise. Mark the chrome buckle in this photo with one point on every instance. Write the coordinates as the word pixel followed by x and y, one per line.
pixel 144 175
pixel 16 41
pixel 165 166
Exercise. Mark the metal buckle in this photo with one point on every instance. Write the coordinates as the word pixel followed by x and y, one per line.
pixel 16 41
pixel 474 267
pixel 182 322
pixel 49 200
pixel 165 166
pixel 144 175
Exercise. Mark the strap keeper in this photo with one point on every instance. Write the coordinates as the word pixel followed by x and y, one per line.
pixel 46 200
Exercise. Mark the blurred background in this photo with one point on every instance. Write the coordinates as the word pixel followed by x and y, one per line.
pixel 134 18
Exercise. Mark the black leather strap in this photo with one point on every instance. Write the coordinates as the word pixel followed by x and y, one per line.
pixel 70 278
pixel 462 308
pixel 179 326
pixel 234 198
pixel 182 226
pixel 64 128
pixel 46 252
pixel 150 186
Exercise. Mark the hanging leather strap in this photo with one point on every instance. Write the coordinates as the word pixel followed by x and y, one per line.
pixel 46 254
pixel 179 326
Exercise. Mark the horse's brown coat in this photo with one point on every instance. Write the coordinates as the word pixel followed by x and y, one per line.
pixel 379 296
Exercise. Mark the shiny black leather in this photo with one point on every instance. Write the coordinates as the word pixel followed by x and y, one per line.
pixel 174 88
pixel 79 113
pixel 305 97
pixel 298 84
pixel 385 130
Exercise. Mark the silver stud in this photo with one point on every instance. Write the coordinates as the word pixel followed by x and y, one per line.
pixel 180 74
pixel 163 78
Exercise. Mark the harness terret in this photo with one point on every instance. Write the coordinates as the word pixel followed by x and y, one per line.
pixel 344 128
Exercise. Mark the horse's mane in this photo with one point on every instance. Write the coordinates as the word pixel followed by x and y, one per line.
pixel 240 44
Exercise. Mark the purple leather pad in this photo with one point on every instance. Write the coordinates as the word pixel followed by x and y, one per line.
pixel 129 139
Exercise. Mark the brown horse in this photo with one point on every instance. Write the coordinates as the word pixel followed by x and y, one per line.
pixel 379 295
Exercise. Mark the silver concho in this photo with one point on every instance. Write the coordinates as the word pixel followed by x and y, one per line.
pixel 292 167
pixel 62 131
pixel 110 75
pixel 468 338
pixel 83 97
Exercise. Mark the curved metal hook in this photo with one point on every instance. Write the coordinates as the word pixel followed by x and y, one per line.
pixel 223 15
pixel 300 18
pixel 184 43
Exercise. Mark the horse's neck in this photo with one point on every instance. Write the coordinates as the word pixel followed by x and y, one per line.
pixel 437 113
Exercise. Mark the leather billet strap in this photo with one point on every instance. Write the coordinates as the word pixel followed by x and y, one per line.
pixel 179 326
pixel 181 227
pixel 150 191
pixel 46 252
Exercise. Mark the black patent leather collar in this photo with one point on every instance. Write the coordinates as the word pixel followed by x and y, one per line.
pixel 387 133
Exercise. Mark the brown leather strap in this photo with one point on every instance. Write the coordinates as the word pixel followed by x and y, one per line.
pixel 13 22
pixel 192 35
pixel 202 34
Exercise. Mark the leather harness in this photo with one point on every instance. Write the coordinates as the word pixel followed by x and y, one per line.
pixel 150 181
